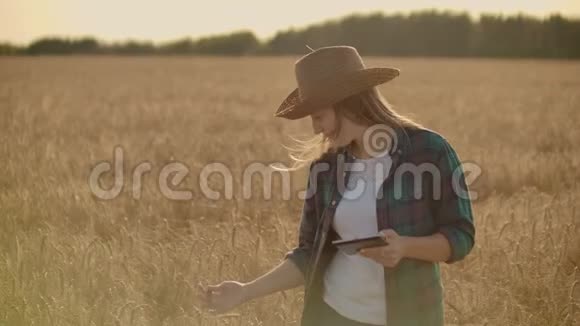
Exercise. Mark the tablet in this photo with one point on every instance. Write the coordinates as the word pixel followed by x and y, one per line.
pixel 351 247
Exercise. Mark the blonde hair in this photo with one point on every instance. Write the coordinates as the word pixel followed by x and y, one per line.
pixel 366 108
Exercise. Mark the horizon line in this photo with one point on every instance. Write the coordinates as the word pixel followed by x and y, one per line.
pixel 473 16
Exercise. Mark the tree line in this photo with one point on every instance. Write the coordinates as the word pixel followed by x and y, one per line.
pixel 423 33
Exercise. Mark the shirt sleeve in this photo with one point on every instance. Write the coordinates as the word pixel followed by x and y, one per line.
pixel 453 212
pixel 300 255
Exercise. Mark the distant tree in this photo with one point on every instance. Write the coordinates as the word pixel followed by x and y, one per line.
pixel 237 43
pixel 133 47
pixel 9 49
pixel 420 33
pixel 85 45
pixel 54 45
pixel 561 37
pixel 183 46
pixel 438 33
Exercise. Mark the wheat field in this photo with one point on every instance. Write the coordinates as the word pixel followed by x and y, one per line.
pixel 70 258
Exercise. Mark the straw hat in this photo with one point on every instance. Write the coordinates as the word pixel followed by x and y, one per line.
pixel 328 75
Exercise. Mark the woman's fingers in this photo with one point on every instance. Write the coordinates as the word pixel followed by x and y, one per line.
pixel 202 295
pixel 222 297
pixel 214 287
pixel 370 252
pixel 382 255
pixel 210 295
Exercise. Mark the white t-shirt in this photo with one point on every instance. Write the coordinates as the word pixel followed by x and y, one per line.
pixel 353 284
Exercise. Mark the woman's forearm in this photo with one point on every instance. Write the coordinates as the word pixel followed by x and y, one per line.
pixel 434 248
pixel 282 277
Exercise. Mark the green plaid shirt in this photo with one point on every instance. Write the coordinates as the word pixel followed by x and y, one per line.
pixel 414 293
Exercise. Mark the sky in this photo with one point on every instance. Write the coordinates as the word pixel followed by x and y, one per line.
pixel 22 21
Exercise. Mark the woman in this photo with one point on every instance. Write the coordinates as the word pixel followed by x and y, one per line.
pixel 426 218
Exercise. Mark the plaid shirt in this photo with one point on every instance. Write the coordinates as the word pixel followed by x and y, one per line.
pixel 414 293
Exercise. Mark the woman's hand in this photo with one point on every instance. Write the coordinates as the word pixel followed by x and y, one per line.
pixel 223 297
pixel 389 255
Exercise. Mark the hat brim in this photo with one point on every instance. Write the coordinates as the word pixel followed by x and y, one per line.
pixel 332 91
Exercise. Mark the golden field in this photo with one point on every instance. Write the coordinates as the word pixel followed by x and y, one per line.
pixel 69 258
